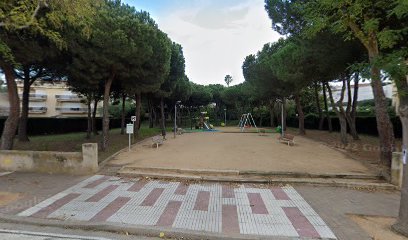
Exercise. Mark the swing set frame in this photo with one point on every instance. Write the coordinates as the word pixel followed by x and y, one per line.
pixel 247 120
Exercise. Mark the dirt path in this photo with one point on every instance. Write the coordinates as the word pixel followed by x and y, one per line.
pixel 240 151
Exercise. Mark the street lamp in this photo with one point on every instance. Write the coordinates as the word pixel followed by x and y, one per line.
pixel 225 116
pixel 175 118
pixel 281 102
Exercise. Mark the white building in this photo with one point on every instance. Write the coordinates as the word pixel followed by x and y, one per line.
pixel 50 100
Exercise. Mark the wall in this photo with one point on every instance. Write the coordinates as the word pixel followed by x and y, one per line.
pixel 76 163
pixel 46 126
pixel 364 125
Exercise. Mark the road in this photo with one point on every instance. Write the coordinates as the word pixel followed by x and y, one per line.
pixel 9 231
pixel 27 235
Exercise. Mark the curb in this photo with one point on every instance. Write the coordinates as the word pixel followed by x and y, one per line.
pixel 292 181
pixel 253 173
pixel 137 230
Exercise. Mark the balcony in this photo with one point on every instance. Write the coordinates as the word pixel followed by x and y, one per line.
pixel 37 110
pixel 68 110
pixel 68 98
pixel 35 97
pixel 4 111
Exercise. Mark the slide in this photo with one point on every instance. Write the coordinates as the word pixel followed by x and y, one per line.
pixel 206 126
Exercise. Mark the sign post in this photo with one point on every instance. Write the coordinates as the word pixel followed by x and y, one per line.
pixel 129 130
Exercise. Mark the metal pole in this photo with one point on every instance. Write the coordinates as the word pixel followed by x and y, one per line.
pixel 175 120
pixel 129 142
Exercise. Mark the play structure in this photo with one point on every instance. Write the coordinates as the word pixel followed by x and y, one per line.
pixel 203 122
pixel 247 121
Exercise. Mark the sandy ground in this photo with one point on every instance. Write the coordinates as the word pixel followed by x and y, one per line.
pixel 240 151
pixel 379 228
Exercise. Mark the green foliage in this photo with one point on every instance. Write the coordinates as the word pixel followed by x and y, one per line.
pixel 44 18
pixel 182 90
pixel 200 95
pixel 176 76
pixel 115 110
pixel 286 17
pixel 280 69
pixel 228 80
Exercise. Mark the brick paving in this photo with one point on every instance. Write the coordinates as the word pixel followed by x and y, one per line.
pixel 215 208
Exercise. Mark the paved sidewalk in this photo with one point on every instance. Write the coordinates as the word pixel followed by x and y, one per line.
pixel 19 191
pixel 214 208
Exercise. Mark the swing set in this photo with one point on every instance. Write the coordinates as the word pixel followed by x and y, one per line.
pixel 247 121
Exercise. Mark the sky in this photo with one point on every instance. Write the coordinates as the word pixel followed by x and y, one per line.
pixel 216 35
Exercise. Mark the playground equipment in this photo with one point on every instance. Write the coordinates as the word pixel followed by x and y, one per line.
pixel 202 121
pixel 247 121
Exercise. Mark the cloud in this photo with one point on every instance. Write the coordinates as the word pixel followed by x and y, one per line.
pixel 217 18
pixel 216 37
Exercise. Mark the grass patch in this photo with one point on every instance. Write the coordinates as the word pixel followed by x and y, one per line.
pixel 72 142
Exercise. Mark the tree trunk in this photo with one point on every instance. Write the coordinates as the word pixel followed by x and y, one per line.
pixel 326 109
pixel 191 118
pixel 22 126
pixel 351 106
pixel 284 114
pixel 105 118
pixel 95 108
pixel 138 97
pixel 123 115
pixel 151 110
pixel 155 117
pixel 319 108
pixel 340 112
pixel 272 112
pixel 401 226
pixel 384 125
pixel 302 130
pixel 343 129
pixel 353 113
pixel 10 126
pixel 179 116
pixel 163 118
pixel 89 127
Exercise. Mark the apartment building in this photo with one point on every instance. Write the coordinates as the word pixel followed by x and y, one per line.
pixel 50 100
pixel 365 92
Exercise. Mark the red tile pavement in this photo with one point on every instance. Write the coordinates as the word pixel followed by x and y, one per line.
pixel 202 201
pixel 300 223
pixel 151 199
pixel 111 209
pixel 137 186
pixel 169 214
pixel 279 193
pixel 181 189
pixel 227 192
pixel 230 222
pixel 97 182
pixel 257 204
pixel 44 212
pixel 101 194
